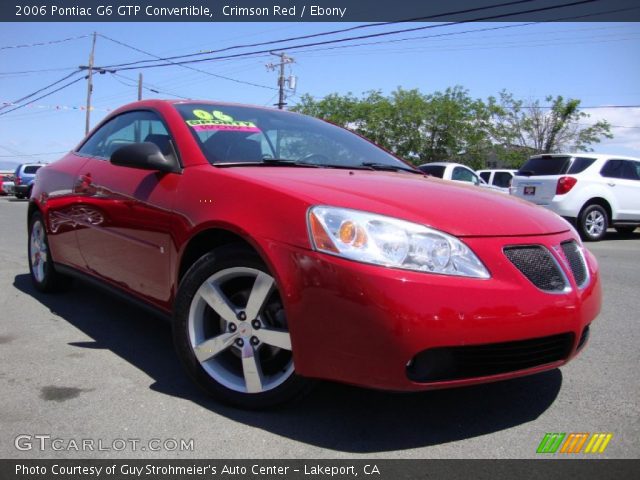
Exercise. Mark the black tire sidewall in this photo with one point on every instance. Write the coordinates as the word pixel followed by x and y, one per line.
pixel 212 262
pixel 582 224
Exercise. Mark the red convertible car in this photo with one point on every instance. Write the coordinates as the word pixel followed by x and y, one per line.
pixel 286 249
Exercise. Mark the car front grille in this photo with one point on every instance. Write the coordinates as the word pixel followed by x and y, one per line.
pixel 576 262
pixel 456 363
pixel 536 263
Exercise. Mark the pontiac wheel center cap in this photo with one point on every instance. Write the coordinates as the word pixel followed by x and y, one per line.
pixel 244 329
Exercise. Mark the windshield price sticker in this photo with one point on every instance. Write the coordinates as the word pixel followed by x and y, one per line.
pixel 218 120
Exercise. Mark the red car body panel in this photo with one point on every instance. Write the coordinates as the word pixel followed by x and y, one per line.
pixel 349 321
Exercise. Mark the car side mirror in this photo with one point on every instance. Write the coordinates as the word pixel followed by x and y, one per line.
pixel 145 156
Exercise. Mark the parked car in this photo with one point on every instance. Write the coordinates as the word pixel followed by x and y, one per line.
pixel 6 185
pixel 499 178
pixel 455 172
pixel 285 249
pixel 24 177
pixel 592 191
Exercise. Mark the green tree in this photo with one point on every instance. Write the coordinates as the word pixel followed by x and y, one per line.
pixel 519 129
pixel 421 128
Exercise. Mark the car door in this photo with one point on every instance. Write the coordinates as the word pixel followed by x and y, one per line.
pixel 623 179
pixel 128 211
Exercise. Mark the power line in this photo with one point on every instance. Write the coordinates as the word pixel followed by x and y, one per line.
pixel 43 96
pixel 149 88
pixel 33 154
pixel 24 72
pixel 39 90
pixel 343 30
pixel 187 66
pixel 447 34
pixel 380 34
pixel 40 44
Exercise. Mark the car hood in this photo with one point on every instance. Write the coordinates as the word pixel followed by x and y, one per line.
pixel 457 209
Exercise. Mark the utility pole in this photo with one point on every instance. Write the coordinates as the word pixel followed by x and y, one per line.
pixel 140 86
pixel 90 85
pixel 284 60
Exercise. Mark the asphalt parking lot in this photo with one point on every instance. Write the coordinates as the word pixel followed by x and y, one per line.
pixel 85 366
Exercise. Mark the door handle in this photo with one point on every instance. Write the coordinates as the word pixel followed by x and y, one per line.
pixel 611 184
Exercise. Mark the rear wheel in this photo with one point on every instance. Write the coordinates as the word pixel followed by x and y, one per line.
pixel 231 331
pixel 626 229
pixel 593 223
pixel 43 273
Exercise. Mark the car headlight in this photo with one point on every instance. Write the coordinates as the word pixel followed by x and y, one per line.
pixel 381 240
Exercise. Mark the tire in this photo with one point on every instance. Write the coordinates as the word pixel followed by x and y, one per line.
pixel 626 229
pixel 43 274
pixel 243 361
pixel 593 223
pixel 19 196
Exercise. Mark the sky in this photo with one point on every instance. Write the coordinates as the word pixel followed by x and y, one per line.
pixel 598 63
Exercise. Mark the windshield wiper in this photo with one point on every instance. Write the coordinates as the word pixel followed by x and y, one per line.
pixel 287 163
pixel 390 168
pixel 268 162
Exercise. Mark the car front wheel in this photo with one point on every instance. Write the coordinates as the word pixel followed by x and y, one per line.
pixel 593 223
pixel 231 331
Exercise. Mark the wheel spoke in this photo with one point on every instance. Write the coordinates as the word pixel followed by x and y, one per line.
pixel 213 346
pixel 40 270
pixel 262 287
pixel 275 338
pixel 251 369
pixel 217 301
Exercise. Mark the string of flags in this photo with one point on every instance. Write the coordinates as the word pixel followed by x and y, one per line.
pixel 56 107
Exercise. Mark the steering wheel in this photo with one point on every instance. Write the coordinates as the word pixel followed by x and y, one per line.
pixel 315 159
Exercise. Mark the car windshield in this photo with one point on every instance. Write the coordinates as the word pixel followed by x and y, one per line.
pixel 237 135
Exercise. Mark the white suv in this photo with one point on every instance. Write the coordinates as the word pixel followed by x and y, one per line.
pixel 592 191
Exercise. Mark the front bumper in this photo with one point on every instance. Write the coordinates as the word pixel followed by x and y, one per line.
pixel 364 324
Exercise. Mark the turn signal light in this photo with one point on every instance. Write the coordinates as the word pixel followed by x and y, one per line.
pixel 319 235
pixel 565 184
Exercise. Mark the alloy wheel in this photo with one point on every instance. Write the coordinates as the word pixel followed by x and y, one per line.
pixel 595 223
pixel 38 251
pixel 238 331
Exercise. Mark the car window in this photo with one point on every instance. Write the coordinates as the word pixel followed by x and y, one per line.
pixel 485 176
pixel 545 166
pixel 580 164
pixel 502 179
pixel 433 170
pixel 31 169
pixel 125 129
pixel 464 175
pixel 613 169
pixel 630 170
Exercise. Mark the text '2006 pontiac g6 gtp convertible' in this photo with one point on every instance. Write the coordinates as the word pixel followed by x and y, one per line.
pixel 287 249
